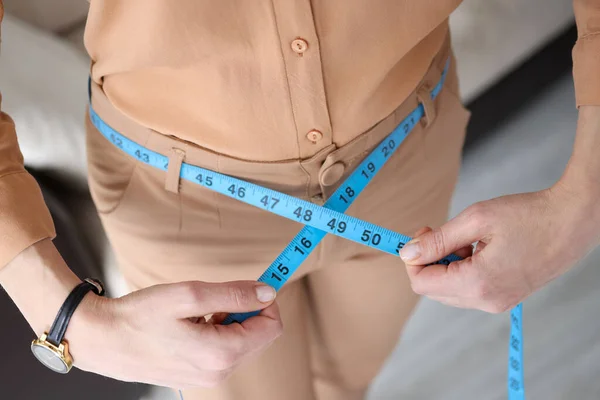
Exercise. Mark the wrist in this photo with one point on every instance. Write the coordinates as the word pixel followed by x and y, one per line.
pixel 582 174
pixel 576 202
pixel 579 188
pixel 91 325
pixel 582 191
pixel 38 281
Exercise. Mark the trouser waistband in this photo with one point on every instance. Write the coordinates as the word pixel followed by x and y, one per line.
pixel 313 178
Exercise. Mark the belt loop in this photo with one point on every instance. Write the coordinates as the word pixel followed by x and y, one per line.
pixel 424 97
pixel 176 158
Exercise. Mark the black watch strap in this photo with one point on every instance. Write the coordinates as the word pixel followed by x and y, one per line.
pixel 59 327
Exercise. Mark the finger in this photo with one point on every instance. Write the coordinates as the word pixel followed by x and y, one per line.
pixel 271 312
pixel 440 280
pixel 200 298
pixel 416 268
pixel 266 327
pixel 255 333
pixel 450 301
pixel 422 231
pixel 459 302
pixel 457 233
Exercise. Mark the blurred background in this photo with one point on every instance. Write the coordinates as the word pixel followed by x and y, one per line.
pixel 515 68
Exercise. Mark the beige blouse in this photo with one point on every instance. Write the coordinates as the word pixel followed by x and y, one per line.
pixel 257 80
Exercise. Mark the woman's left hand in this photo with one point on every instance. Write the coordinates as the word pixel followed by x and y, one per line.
pixel 523 241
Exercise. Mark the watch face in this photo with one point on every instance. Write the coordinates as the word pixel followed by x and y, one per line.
pixel 49 359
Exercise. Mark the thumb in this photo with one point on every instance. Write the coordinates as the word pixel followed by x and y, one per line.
pixel 438 243
pixel 197 298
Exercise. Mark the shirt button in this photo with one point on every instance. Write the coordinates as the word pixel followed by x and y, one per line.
pixel 332 174
pixel 314 136
pixel 299 45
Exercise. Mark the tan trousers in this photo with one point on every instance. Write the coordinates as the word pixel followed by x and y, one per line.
pixel 344 309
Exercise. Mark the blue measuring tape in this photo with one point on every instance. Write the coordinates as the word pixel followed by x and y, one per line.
pixel 516 389
pixel 319 220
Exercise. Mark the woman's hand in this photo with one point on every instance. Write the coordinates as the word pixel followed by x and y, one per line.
pixel 155 336
pixel 522 242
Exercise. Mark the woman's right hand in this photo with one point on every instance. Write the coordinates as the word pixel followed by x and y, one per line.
pixel 152 336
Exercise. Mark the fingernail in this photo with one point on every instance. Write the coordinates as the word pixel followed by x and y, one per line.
pixel 265 293
pixel 411 251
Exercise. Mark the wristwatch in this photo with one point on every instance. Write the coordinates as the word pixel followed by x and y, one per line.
pixel 50 348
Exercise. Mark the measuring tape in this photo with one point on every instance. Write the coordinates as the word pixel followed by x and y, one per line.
pixel 516 389
pixel 318 220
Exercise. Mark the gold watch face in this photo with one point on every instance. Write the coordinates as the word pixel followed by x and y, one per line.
pixel 50 357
